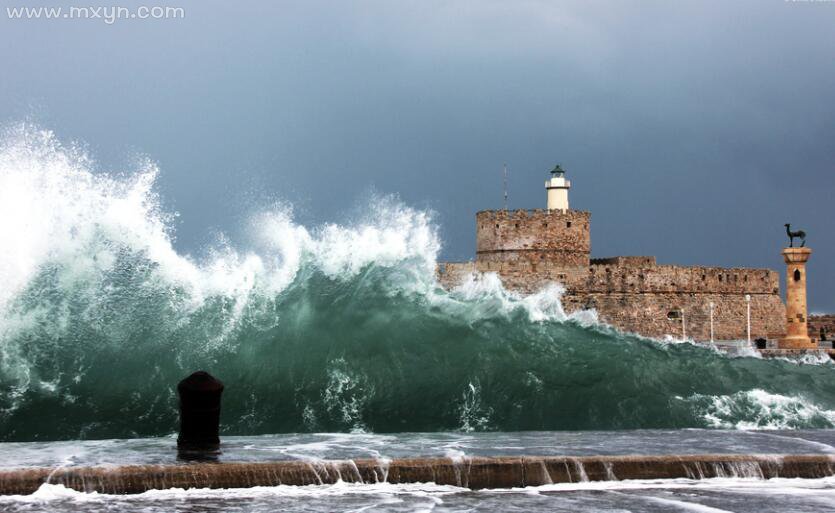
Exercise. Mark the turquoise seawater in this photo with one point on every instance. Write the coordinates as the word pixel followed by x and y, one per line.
pixel 339 327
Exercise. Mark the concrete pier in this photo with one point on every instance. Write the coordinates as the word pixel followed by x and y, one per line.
pixel 473 473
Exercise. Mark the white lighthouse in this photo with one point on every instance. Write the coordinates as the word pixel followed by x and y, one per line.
pixel 557 188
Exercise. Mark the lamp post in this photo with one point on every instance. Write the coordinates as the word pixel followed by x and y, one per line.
pixel 748 304
pixel 711 321
pixel 683 329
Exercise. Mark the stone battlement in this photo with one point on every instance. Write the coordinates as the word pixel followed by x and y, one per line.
pixel 526 213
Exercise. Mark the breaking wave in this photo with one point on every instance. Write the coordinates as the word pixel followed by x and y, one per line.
pixel 335 328
pixel 758 409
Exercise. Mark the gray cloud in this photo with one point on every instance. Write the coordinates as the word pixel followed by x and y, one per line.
pixel 691 130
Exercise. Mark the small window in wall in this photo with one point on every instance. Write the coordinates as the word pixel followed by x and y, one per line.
pixel 497 225
pixel 720 277
pixel 674 315
pixel 517 225
pixel 568 224
pixel 797 275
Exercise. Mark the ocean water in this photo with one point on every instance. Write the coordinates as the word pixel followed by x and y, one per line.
pixel 340 327
pixel 334 328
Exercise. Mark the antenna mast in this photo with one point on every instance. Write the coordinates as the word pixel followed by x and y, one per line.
pixel 505 186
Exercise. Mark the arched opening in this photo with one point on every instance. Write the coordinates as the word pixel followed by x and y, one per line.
pixel 797 275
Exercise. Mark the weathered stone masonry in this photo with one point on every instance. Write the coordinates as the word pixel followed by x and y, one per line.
pixel 822 327
pixel 528 249
pixel 555 236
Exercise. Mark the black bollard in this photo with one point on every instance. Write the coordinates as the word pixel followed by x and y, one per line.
pixel 199 415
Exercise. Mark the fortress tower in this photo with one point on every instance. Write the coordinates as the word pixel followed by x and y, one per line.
pixel 557 236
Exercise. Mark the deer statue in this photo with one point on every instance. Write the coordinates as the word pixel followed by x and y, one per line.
pixel 799 233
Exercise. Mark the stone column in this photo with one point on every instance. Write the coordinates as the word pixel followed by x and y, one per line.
pixel 797 332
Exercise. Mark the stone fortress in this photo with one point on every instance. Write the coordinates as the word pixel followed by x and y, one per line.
pixel 529 248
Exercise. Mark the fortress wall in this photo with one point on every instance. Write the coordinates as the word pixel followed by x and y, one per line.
pixel 651 314
pixel 452 274
pixel 640 300
pixel 625 261
pixel 822 327
pixel 528 277
pixel 672 278
pixel 533 235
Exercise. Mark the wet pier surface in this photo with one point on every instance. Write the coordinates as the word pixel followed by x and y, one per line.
pixel 715 470
pixel 466 472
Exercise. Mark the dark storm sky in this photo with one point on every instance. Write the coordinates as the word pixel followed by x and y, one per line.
pixel 690 130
